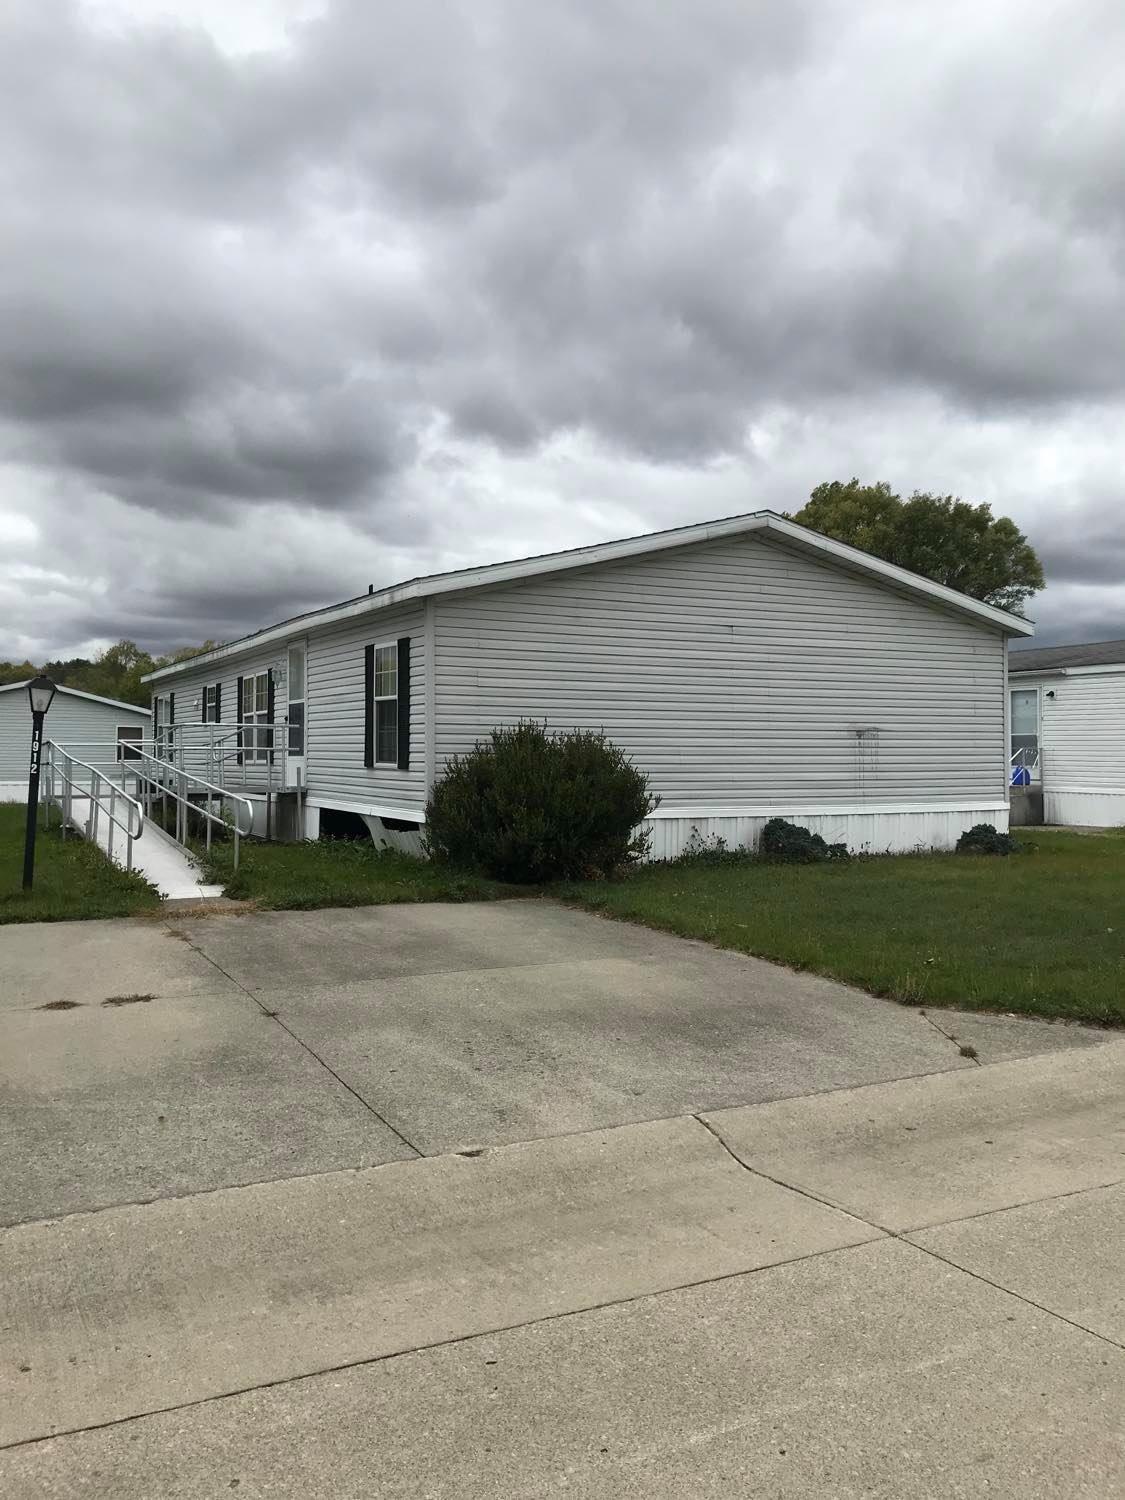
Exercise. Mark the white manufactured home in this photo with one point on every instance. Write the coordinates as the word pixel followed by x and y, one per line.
pixel 99 730
pixel 1068 734
pixel 751 667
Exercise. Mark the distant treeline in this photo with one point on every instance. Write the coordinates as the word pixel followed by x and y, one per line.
pixel 113 673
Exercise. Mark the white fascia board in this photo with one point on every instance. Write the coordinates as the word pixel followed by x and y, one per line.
pixel 1103 669
pixel 492 574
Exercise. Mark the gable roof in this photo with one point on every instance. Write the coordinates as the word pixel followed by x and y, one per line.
pixel 1051 658
pixel 491 574
pixel 133 708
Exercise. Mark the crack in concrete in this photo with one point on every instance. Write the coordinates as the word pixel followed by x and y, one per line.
pixel 903 1236
pixel 446 1343
pixel 273 1016
pixel 972 1054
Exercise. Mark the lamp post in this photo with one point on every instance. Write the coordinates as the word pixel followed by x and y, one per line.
pixel 40 691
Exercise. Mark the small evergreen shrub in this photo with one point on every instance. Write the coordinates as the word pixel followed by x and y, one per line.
pixel 789 843
pixel 983 838
pixel 529 806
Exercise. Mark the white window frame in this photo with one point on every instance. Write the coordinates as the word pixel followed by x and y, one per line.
pixel 255 743
pixel 211 703
pixel 161 727
pixel 295 733
pixel 382 700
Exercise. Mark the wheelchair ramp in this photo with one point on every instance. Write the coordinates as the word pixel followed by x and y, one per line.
pixel 159 858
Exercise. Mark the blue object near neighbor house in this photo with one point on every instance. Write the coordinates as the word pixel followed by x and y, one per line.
pixel 1021 776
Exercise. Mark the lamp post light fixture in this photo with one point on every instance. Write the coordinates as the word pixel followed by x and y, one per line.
pixel 40 691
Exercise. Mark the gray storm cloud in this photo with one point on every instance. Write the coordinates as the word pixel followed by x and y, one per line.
pixel 420 285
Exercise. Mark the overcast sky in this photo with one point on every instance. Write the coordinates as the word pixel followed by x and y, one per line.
pixel 302 295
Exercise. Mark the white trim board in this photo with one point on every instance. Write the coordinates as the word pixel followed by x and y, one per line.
pixel 583 557
pixel 815 810
pixel 1099 669
pixel 367 809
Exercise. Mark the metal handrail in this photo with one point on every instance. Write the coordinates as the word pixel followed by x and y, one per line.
pixel 132 829
pixel 260 750
pixel 156 784
pixel 1022 764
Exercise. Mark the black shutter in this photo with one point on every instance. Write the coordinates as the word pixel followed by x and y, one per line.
pixel 269 712
pixel 218 703
pixel 369 706
pixel 239 740
pixel 171 708
pixel 404 703
pixel 203 703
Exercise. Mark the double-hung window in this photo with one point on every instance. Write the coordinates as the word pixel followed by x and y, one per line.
pixel 255 717
pixel 386 705
pixel 211 703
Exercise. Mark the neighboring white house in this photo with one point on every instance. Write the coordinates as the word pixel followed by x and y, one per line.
pixel 1068 728
pixel 751 667
pixel 75 719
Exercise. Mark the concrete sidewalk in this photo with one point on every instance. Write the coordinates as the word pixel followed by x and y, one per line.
pixel 688 1277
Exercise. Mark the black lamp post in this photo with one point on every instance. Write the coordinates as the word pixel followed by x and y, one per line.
pixel 40 691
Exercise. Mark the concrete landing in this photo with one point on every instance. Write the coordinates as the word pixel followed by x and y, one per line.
pixel 162 862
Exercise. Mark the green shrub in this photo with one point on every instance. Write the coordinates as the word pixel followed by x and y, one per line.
pixel 789 843
pixel 531 806
pixel 983 838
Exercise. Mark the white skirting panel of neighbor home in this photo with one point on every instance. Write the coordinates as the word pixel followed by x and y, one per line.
pixel 1084 809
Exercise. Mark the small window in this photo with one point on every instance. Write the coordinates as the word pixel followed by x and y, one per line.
pixel 129 735
pixel 211 703
pixel 386 705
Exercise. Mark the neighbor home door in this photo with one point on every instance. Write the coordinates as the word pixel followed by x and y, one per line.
pixel 1025 736
pixel 296 714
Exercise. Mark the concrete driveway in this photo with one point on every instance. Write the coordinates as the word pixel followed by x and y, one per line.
pixel 500 1200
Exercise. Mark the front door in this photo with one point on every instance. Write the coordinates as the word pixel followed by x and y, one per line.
pixel 1025 736
pixel 296 714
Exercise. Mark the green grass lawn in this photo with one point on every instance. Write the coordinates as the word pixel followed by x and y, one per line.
pixel 1042 932
pixel 72 879
pixel 340 872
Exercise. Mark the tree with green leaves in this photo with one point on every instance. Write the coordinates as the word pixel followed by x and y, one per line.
pixel 115 672
pixel 942 537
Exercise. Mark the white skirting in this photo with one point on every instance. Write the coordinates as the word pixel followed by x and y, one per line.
pixel 405 840
pixel 1089 808
pixel 13 791
pixel 865 830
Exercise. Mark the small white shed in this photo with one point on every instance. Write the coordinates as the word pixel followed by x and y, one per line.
pixel 1068 732
pixel 75 719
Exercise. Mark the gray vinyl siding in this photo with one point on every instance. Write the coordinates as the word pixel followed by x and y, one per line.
pixel 736 672
pixel 189 688
pixel 334 763
pixel 1081 730
pixel 71 720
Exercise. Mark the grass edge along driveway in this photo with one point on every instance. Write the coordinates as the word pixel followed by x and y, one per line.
pixel 1041 933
